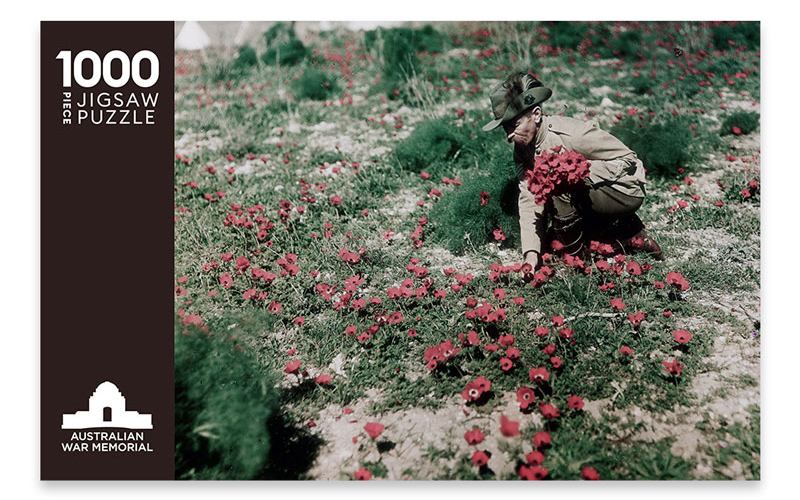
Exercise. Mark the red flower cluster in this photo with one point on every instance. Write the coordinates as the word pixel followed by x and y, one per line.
pixel 417 236
pixel 475 389
pixel 497 271
pixel 617 304
pixel 487 313
pixel 553 172
pixel 542 276
pixel 637 318
pixel 287 263
pixel 534 473
pixel 601 248
pixel 348 256
pixel 442 352
pixel 677 280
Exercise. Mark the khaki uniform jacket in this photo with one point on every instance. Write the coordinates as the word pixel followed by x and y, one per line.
pixel 612 164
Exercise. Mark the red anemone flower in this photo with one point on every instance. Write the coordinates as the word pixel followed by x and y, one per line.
pixel 525 397
pixel 508 428
pixel 637 318
pixel 534 458
pixel 532 473
pixel 575 402
pixel 541 439
pixel 480 458
pixel 363 474
pixel 323 379
pixel 590 474
pixel 475 436
pixel 677 280
pixel 506 340
pixel 539 374
pixel 374 429
pixel 674 368
pixel 682 336
pixel 549 411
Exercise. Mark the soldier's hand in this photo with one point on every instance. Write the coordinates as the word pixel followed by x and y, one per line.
pixel 534 259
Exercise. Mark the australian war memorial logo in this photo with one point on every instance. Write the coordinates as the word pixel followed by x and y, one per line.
pixel 107 410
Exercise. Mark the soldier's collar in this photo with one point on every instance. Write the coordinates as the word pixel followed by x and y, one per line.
pixel 541 132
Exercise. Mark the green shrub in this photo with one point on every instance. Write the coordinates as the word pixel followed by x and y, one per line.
pixel 432 146
pixel 745 120
pixel 283 46
pixel 223 400
pixel 566 34
pixel 744 33
pixel 627 44
pixel 662 147
pixel 315 84
pixel 279 33
pixel 246 58
pixel 426 39
pixel 288 54
pixel 400 60
pixel 644 84
pixel 400 48
pixel 459 213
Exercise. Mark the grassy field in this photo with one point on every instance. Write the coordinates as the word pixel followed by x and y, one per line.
pixel 320 267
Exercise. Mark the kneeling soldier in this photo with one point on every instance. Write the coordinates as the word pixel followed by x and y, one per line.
pixel 602 207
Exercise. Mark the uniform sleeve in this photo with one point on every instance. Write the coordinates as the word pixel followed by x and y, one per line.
pixel 532 220
pixel 610 159
pixel 596 144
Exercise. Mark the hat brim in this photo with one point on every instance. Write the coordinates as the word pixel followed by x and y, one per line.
pixel 539 95
pixel 493 124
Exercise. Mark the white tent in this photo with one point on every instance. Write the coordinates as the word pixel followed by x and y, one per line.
pixel 192 37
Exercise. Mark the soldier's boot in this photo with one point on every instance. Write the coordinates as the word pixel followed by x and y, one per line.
pixel 569 231
pixel 633 238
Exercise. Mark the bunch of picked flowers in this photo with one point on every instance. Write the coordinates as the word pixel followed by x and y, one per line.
pixel 553 173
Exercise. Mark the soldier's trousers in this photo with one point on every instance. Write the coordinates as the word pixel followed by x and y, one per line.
pixel 603 209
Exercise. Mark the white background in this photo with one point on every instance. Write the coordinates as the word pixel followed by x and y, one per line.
pixel 19 243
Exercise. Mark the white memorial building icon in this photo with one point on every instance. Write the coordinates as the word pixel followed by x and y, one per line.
pixel 107 409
